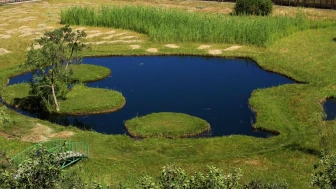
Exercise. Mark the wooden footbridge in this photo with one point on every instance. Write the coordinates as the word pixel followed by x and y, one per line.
pixel 68 152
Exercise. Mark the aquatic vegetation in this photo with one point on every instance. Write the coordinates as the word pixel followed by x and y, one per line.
pixel 169 25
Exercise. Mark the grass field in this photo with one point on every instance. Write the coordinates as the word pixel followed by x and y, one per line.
pixel 295 110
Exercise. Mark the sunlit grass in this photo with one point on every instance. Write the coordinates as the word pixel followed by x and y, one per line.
pixel 169 25
pixel 166 124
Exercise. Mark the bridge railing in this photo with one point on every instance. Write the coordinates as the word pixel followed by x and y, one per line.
pixel 65 149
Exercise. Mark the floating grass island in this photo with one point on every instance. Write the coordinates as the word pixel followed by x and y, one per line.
pixel 81 100
pixel 166 124
pixel 87 72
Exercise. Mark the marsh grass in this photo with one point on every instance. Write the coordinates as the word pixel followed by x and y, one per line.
pixel 166 124
pixel 169 25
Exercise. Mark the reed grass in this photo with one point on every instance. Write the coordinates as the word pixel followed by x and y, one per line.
pixel 169 25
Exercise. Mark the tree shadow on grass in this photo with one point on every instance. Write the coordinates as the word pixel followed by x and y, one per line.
pixel 30 103
pixel 334 39
pixel 298 147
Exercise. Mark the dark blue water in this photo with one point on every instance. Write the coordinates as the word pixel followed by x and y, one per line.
pixel 214 89
pixel 330 108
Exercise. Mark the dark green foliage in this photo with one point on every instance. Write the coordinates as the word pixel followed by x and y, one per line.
pixel 168 25
pixel 325 173
pixel 257 184
pixel 254 7
pixel 174 177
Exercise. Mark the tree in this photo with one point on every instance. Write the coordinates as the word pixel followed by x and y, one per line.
pixel 51 77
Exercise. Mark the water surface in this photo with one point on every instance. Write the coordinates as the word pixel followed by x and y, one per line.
pixel 330 108
pixel 214 89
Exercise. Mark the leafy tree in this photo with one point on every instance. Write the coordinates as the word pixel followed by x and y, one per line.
pixel 59 48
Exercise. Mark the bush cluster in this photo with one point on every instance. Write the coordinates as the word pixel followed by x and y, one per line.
pixel 254 7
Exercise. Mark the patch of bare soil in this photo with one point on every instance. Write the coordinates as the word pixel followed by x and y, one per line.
pixel 93 31
pixel 114 35
pixel 152 50
pixel 93 35
pixel 215 52
pixel 3 51
pixel 111 42
pixel 232 48
pixel 62 134
pixel 26 19
pixel 135 47
pixel 127 37
pixel 110 32
pixel 4 24
pixel 204 47
pixel 2 134
pixel 2 36
pixel 173 46
pixel 42 133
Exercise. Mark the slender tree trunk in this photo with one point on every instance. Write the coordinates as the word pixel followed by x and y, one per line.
pixel 66 66
pixel 55 99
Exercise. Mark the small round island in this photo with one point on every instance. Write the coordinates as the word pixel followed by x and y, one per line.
pixel 166 124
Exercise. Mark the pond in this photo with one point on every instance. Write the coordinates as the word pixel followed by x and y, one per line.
pixel 214 89
pixel 330 108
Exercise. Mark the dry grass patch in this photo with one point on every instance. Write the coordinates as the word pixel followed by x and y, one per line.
pixel 93 35
pixel 42 133
pixel 127 37
pixel 110 32
pixel 3 51
pixel 152 50
pixel 2 134
pixel 203 47
pixel 3 36
pixel 215 52
pixel 173 46
pixel 135 47
pixel 235 47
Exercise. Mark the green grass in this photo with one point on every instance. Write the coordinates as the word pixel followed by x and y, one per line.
pixel 79 101
pixel 83 100
pixel 295 111
pixel 166 124
pixel 169 25
pixel 87 73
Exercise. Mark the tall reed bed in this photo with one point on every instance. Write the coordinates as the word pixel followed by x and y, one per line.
pixel 169 25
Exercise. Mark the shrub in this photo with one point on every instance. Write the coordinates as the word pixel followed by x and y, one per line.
pixel 325 173
pixel 257 184
pixel 175 177
pixel 4 117
pixel 254 7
